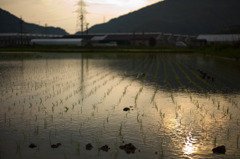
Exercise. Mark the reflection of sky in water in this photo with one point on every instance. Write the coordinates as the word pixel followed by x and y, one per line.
pixel 77 101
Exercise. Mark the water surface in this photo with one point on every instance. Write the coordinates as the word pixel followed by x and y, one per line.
pixel 181 106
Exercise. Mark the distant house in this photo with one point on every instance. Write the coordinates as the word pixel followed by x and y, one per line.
pixel 97 40
pixel 168 39
pixel 144 39
pixel 219 38
pixel 122 39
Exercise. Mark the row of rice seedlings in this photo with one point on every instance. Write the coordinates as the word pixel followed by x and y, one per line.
pixel 45 121
pixel 67 87
pixel 30 107
pixel 140 121
pixel 217 90
pixel 75 93
pixel 212 115
pixel 154 80
pixel 124 93
pixel 195 84
pixel 166 80
pixel 120 131
pixel 206 83
pixel 107 94
pixel 143 79
pixel 190 80
pixel 222 80
pixel 195 102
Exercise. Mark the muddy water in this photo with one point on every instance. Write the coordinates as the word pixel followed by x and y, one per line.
pixel 181 106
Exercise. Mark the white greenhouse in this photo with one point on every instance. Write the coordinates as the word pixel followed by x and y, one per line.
pixel 219 38
pixel 72 42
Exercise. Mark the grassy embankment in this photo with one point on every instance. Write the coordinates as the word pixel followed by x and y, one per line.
pixel 221 50
pixel 73 49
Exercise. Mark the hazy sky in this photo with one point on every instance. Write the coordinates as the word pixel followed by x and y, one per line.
pixel 62 13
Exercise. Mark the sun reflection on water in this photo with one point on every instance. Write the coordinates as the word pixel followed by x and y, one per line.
pixel 189 147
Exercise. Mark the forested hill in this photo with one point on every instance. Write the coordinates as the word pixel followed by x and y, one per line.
pixel 11 24
pixel 177 16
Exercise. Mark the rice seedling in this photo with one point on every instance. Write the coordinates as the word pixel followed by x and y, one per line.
pixel 5 117
pixel 65 156
pixel 144 138
pixel 238 137
pixel 107 119
pixel 176 115
pixel 52 108
pixel 138 120
pixel 94 106
pixel 227 110
pixel 120 129
pixel 162 115
pixel 18 144
pixel 36 130
pixel 215 141
pixel 66 109
pixel 71 138
pixel 78 148
pixel 40 100
pixel 161 149
pixel 45 123
pixel 156 107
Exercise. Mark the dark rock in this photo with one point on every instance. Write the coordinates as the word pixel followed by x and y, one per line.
pixel 126 109
pixel 219 150
pixel 55 145
pixel 32 146
pixel 156 152
pixel 104 148
pixel 128 148
pixel 89 146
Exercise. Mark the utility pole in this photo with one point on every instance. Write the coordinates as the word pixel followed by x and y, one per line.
pixel 21 30
pixel 45 28
pixel 87 28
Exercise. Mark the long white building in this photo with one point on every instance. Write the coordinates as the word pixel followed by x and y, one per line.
pixel 72 42
pixel 219 38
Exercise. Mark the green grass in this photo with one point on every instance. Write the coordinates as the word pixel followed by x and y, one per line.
pixel 120 49
pixel 221 50
pixel 218 50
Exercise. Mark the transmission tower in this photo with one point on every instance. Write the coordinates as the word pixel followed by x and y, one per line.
pixel 81 14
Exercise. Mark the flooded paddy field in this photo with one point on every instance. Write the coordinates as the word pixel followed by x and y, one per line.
pixel 72 106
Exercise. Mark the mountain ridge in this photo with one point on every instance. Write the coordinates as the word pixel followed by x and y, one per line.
pixel 10 23
pixel 176 16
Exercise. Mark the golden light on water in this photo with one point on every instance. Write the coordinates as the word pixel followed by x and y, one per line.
pixel 189 145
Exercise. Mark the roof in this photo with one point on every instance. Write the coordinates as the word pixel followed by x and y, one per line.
pixel 98 38
pixel 219 37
